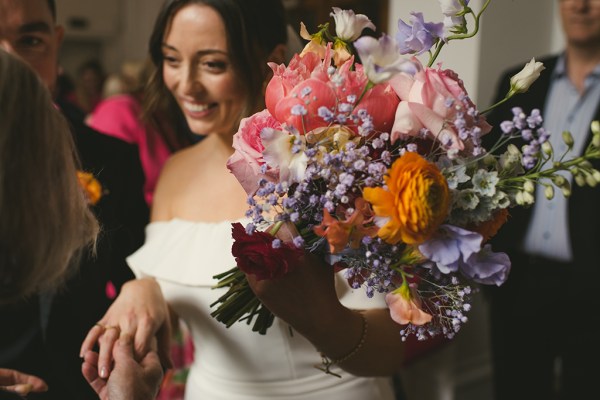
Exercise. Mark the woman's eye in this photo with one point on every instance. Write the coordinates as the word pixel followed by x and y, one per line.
pixel 170 60
pixel 215 65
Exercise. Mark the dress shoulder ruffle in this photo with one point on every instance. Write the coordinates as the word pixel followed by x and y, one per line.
pixel 184 252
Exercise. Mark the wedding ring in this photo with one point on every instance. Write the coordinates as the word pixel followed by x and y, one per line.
pixel 107 327
pixel 98 324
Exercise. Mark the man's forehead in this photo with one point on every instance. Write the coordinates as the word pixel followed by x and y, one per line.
pixel 15 14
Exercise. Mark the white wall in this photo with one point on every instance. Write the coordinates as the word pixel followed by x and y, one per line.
pixel 511 33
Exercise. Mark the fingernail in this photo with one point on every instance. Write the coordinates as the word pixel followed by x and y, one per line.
pixel 23 389
pixel 103 373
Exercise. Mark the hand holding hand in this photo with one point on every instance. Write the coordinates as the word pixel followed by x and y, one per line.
pixel 129 379
pixel 140 312
pixel 20 383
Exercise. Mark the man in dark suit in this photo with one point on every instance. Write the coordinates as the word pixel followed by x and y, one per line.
pixel 545 345
pixel 43 336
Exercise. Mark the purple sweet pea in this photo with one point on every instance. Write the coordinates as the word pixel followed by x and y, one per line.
pixel 418 37
pixel 450 247
pixel 487 267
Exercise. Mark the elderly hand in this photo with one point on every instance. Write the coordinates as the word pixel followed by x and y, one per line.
pixel 129 379
pixel 141 312
pixel 20 383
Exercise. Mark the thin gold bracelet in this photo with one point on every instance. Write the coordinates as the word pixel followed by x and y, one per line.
pixel 327 363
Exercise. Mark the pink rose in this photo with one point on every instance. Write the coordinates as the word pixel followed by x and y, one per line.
pixel 247 160
pixel 428 101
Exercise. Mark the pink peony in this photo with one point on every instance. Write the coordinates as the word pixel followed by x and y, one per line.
pixel 424 104
pixel 247 161
pixel 297 92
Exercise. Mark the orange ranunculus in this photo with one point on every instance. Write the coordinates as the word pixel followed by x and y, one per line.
pixel 91 186
pixel 349 232
pixel 416 200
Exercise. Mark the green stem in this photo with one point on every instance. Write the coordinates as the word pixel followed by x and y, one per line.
pixel 467 35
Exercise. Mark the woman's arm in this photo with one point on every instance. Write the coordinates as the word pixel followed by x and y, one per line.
pixel 368 344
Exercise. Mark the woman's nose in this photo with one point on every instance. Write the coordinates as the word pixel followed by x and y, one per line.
pixel 191 81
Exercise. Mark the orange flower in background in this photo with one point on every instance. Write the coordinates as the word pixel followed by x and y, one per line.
pixel 416 200
pixel 91 186
pixel 351 231
pixel 488 229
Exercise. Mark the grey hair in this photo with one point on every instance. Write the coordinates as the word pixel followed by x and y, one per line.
pixel 46 219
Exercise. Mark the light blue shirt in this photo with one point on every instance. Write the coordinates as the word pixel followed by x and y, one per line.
pixel 565 110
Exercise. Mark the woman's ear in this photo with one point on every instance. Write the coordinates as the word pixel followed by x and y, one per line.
pixel 278 54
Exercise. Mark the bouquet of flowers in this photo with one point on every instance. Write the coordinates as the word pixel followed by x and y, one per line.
pixel 379 168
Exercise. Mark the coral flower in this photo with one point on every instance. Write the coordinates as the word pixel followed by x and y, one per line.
pixel 91 186
pixel 404 307
pixel 415 202
pixel 348 232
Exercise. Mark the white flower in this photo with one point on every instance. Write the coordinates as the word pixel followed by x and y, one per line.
pixel 349 26
pixel 521 82
pixel 279 152
pixel 450 9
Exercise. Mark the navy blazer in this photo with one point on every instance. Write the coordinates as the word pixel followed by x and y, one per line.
pixel 584 202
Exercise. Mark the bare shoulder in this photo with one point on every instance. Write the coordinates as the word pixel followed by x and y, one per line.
pixel 174 178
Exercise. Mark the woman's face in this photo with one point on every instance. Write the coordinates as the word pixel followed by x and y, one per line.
pixel 197 70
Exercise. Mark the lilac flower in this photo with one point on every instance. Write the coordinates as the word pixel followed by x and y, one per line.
pixel 451 246
pixel 381 59
pixel 419 37
pixel 487 267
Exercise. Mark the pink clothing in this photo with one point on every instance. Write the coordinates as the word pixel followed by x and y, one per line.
pixel 120 116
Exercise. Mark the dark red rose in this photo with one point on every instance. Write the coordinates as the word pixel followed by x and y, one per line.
pixel 254 254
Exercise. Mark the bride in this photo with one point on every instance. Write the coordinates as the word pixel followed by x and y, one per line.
pixel 211 62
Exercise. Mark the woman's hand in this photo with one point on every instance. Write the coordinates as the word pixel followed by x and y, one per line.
pixel 141 312
pixel 20 383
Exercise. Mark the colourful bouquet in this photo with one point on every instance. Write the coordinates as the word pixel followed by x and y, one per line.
pixel 379 167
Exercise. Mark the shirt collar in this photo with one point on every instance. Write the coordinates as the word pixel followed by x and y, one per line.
pixel 560 70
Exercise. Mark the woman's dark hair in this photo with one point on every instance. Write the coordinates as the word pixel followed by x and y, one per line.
pixel 254 29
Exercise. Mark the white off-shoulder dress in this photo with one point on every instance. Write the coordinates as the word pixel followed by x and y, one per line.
pixel 235 363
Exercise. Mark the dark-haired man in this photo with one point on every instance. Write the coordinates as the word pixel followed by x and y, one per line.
pixel 42 336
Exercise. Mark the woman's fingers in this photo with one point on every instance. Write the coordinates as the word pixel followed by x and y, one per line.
pixel 107 342
pixel 91 339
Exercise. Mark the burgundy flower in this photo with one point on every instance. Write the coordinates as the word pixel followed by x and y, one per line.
pixel 255 254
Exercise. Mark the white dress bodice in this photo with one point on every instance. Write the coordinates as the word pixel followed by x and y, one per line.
pixel 235 363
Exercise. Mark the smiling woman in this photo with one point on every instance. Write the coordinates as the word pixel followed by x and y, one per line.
pixel 211 70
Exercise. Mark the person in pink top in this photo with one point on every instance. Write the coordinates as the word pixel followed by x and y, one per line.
pixel 121 116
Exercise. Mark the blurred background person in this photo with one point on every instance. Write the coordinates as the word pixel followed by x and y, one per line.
pixel 121 115
pixel 89 84
pixel 58 321
pixel 544 318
